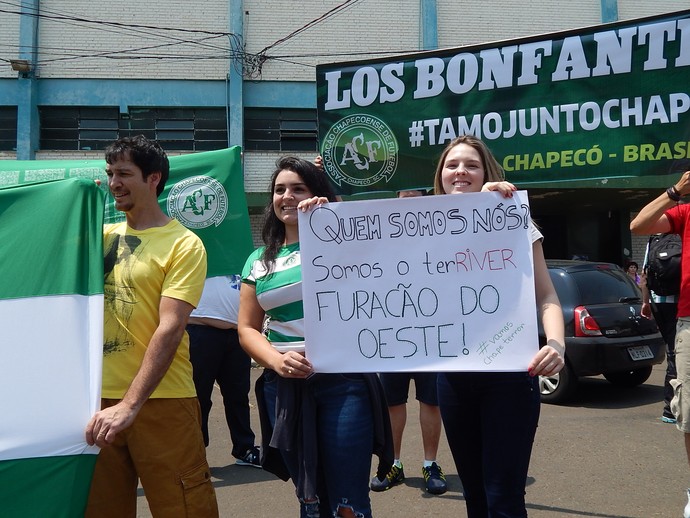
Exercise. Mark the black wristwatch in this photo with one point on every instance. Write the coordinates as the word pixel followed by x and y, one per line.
pixel 673 194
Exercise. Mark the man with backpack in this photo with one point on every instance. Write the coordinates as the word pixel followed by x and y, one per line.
pixel 666 215
pixel 660 285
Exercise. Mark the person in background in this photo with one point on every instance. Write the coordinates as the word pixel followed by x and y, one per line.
pixel 149 425
pixel 396 386
pixel 218 357
pixel 665 215
pixel 325 427
pixel 631 270
pixel 491 418
pixel 663 308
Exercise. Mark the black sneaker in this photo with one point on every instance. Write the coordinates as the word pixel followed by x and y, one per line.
pixel 434 479
pixel 251 458
pixel 394 477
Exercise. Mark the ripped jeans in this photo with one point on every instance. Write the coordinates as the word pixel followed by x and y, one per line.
pixel 345 442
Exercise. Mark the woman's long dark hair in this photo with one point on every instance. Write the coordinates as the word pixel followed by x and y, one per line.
pixel 273 232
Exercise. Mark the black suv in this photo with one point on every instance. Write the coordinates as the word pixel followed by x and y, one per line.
pixel 604 331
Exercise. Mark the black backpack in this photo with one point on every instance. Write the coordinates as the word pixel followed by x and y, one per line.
pixel 663 264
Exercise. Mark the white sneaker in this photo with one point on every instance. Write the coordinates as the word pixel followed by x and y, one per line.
pixel 686 511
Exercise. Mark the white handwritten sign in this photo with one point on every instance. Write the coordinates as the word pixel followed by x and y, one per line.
pixel 437 283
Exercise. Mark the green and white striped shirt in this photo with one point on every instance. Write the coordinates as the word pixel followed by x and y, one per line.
pixel 279 293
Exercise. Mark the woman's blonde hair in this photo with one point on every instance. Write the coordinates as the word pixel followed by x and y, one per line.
pixel 493 172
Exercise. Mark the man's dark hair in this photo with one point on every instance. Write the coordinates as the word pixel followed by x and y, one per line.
pixel 146 154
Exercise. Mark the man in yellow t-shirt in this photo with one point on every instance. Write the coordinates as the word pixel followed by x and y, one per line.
pixel 149 423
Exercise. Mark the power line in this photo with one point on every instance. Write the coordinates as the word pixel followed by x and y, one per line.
pixel 336 54
pixel 117 28
pixel 249 64
pixel 45 14
pixel 233 50
pixel 130 53
pixel 338 8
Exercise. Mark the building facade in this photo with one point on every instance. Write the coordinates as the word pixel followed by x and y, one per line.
pixel 198 76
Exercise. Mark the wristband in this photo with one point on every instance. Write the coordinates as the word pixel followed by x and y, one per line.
pixel 673 194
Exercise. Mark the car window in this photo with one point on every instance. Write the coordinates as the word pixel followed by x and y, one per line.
pixel 567 293
pixel 603 286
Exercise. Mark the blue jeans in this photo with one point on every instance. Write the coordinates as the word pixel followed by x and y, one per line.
pixel 490 421
pixel 345 434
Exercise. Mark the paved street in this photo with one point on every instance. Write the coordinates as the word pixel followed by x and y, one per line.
pixel 606 455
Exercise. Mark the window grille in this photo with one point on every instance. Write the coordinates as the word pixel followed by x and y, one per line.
pixel 77 128
pixel 176 129
pixel 268 129
pixel 8 128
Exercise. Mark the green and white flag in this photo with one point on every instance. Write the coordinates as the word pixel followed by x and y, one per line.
pixel 51 344
pixel 205 192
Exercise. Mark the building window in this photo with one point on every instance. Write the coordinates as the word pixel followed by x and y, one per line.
pixel 78 128
pixel 176 129
pixel 268 129
pixel 8 128
pixel 182 129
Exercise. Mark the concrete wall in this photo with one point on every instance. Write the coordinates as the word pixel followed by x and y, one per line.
pixel 475 21
pixel 366 27
pixel 9 42
pixel 96 48
pixel 628 9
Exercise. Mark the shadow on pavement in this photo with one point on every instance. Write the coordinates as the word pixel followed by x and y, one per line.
pixel 598 393
pixel 233 475
pixel 572 512
pixel 453 481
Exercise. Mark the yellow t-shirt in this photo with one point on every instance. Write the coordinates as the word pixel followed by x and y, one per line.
pixel 140 267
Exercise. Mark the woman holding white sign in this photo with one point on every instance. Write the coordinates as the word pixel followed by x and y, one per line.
pixel 325 426
pixel 490 418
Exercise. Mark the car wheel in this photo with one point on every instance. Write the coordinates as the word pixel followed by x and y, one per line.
pixel 558 388
pixel 629 378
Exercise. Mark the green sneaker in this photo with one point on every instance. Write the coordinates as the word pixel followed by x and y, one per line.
pixel 394 477
pixel 434 479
